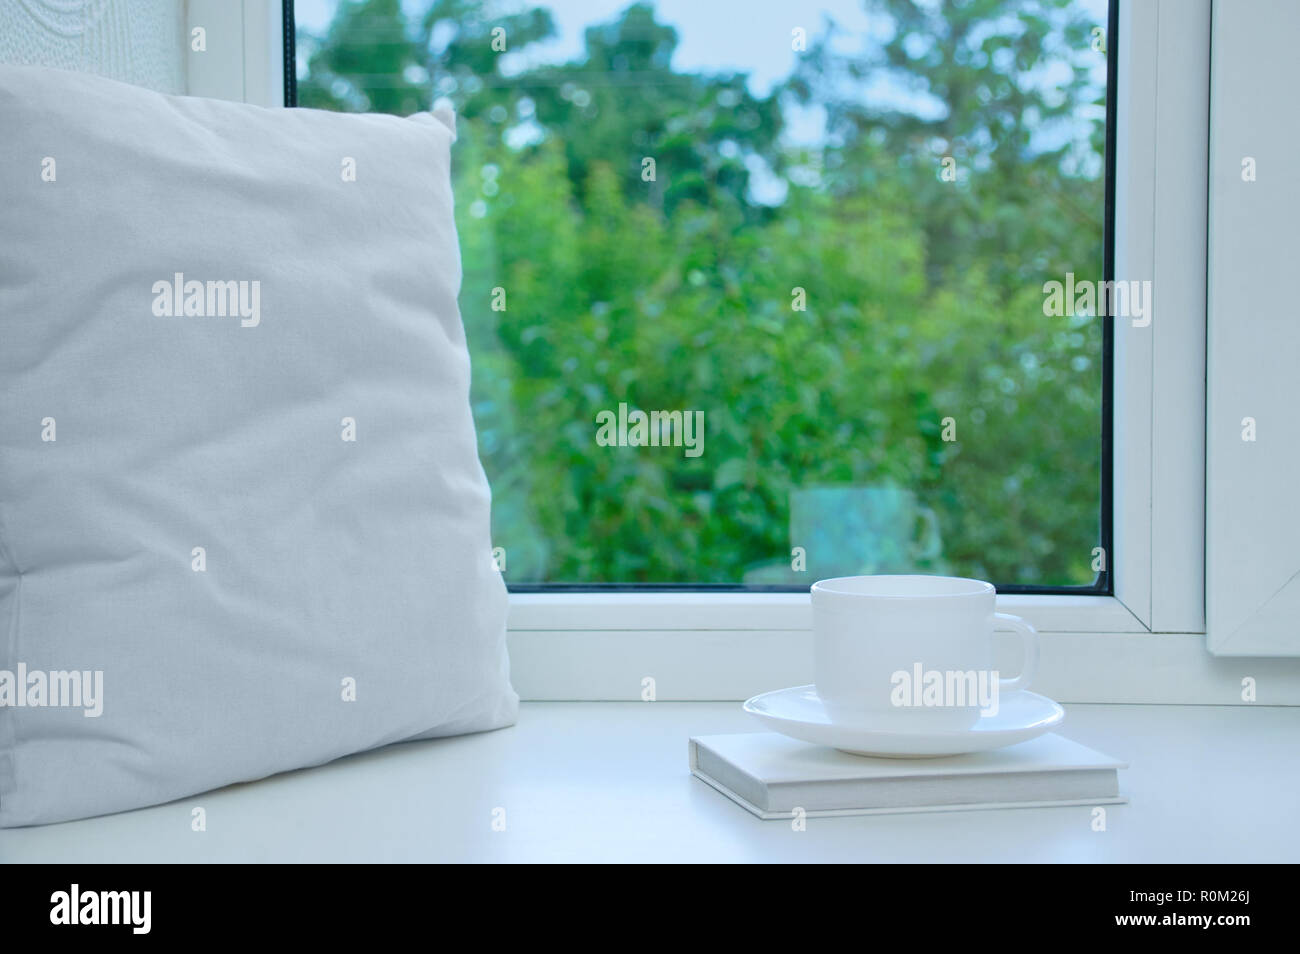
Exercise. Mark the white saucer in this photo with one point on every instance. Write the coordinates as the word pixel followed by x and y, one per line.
pixel 800 714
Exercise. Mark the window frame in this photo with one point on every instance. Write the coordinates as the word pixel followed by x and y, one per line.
pixel 1142 643
pixel 720 645
pixel 244 59
pixel 1252 560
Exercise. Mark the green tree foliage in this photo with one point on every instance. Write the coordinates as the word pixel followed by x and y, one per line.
pixel 679 290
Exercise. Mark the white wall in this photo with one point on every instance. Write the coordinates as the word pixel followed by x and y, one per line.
pixel 135 41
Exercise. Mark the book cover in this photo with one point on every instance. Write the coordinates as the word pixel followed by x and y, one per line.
pixel 771 775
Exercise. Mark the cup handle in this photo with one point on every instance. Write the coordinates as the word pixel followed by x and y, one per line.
pixel 1029 639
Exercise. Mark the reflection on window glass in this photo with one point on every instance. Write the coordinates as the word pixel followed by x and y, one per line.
pixel 755 289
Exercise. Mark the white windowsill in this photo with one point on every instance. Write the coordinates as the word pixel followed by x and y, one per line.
pixel 609 782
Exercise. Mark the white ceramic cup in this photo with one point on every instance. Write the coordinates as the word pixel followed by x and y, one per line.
pixel 869 629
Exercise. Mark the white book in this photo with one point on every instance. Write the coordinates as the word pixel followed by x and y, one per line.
pixel 771 775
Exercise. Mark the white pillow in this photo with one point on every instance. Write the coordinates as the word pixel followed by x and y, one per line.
pixel 251 515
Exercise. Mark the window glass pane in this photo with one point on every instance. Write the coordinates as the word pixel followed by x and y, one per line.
pixel 801 246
